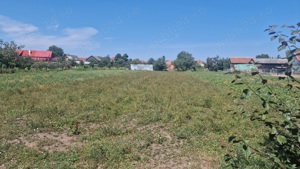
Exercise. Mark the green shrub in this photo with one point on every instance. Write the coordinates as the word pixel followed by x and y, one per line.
pixel 279 114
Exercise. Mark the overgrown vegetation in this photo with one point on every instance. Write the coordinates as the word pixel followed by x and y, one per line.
pixel 217 63
pixel 185 61
pixel 10 60
pixel 117 119
pixel 279 113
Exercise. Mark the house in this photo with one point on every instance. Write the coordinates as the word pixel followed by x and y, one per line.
pixel 82 59
pixel 271 65
pixel 199 63
pixel 94 59
pixel 241 64
pixel 37 55
pixel 141 67
pixel 170 65
pixel 72 57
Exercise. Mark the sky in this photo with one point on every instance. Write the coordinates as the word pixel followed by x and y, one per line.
pixel 148 28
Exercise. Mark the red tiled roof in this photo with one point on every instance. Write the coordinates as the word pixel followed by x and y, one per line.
pixel 19 52
pixel 82 59
pixel 169 63
pixel 199 62
pixel 23 52
pixel 240 60
pixel 35 53
pixel 41 54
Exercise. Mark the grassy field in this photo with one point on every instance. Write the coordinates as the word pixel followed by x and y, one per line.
pixel 118 119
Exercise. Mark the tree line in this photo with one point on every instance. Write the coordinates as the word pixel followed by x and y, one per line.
pixel 10 60
pixel 217 63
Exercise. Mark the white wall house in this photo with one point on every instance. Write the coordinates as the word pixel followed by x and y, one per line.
pixel 141 67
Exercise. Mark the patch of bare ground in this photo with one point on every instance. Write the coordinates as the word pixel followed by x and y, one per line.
pixel 169 155
pixel 50 141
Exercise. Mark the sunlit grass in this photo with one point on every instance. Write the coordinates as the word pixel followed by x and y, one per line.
pixel 125 119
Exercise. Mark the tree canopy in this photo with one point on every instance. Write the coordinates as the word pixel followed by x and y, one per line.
pixel 262 56
pixel 160 64
pixel 9 58
pixel 184 61
pixel 121 60
pixel 217 63
pixel 57 52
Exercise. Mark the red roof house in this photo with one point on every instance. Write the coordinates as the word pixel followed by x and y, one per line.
pixel 237 61
pixel 82 59
pixel 200 63
pixel 37 55
pixel 170 65
pixel 240 60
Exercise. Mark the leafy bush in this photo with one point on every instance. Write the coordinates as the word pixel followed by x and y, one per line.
pixel 279 114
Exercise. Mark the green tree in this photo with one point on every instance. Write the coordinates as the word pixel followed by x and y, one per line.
pixel 136 61
pixel 24 62
pixel 217 63
pixel 8 55
pixel 105 61
pixel 262 56
pixel 226 63
pixel 58 52
pixel 184 61
pixel 121 61
pixel 211 64
pixel 160 64
pixel 151 61
pixel 81 63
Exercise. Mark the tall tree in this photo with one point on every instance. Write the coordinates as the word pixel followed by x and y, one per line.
pixel 57 52
pixel 125 57
pixel 184 61
pixel 105 61
pixel 121 61
pixel 217 63
pixel 226 63
pixel 8 55
pixel 136 61
pixel 211 64
pixel 160 64
pixel 151 61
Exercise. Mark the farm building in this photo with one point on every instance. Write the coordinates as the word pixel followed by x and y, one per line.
pixel 37 55
pixel 245 67
pixel 241 64
pixel 141 67
pixel 271 65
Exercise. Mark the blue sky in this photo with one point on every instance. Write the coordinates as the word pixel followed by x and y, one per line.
pixel 147 28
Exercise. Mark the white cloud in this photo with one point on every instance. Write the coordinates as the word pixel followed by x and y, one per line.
pixel 32 37
pixel 15 28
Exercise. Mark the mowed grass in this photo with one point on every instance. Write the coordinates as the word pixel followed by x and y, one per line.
pixel 117 119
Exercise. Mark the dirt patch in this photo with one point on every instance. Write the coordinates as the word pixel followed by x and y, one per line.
pixel 50 142
pixel 169 154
